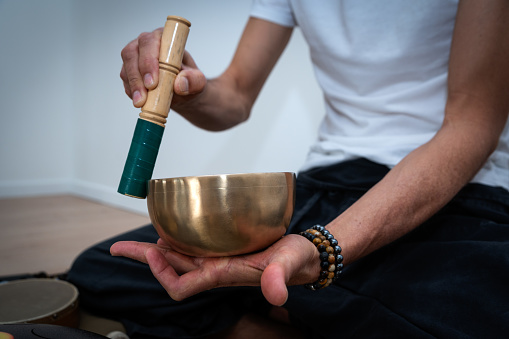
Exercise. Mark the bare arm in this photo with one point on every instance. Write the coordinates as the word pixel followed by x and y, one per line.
pixel 475 114
pixel 228 99
pixel 215 104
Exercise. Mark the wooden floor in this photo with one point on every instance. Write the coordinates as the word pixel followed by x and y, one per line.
pixel 47 233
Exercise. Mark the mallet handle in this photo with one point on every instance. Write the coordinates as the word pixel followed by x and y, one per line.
pixel 173 43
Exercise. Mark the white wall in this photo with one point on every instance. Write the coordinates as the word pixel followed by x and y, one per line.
pixel 67 124
pixel 36 97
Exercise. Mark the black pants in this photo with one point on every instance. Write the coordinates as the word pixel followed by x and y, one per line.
pixel 449 278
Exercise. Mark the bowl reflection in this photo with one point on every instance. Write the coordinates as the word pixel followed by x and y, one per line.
pixel 221 215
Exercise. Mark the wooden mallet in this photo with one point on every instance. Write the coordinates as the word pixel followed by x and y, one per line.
pixel 150 126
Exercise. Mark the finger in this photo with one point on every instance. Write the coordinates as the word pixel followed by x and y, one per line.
pixel 189 81
pixel 180 262
pixel 178 287
pixel 209 273
pixel 136 250
pixel 148 60
pixel 162 243
pixel 188 61
pixel 273 284
pixel 162 271
pixel 288 267
pixel 132 75
pixel 130 249
pixel 123 76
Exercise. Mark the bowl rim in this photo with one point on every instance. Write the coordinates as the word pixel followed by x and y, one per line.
pixel 218 181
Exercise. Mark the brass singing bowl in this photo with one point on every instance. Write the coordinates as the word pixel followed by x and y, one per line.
pixel 222 215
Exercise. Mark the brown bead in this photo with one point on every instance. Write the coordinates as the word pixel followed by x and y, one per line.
pixel 326 242
pixel 332 268
pixel 332 259
pixel 323 238
pixel 330 275
pixel 330 250
pixel 317 241
pixel 313 232
pixel 322 281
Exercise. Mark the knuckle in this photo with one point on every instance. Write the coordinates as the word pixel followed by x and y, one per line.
pixel 129 51
pixel 176 296
pixel 123 75
pixel 148 64
pixel 146 39
pixel 144 35
pixel 197 83
pixel 133 80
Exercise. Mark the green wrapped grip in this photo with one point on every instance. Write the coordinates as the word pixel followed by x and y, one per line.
pixel 141 159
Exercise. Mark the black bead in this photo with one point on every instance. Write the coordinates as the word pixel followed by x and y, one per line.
pixel 339 258
pixel 324 256
pixel 324 264
pixel 324 274
pixel 325 232
pixel 321 248
pixel 339 267
pixel 334 242
pixel 329 236
pixel 337 249
pixel 336 275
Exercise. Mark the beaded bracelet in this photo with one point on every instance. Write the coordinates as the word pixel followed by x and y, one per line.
pixel 331 260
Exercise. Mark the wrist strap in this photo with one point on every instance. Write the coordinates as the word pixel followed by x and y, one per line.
pixel 331 260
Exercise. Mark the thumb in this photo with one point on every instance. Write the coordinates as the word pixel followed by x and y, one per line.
pixel 273 284
pixel 189 81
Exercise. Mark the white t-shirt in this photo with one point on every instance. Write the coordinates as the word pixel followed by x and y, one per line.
pixel 382 66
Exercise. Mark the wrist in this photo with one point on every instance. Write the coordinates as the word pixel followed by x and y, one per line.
pixel 331 260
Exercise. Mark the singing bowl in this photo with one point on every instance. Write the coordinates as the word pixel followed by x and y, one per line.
pixel 222 215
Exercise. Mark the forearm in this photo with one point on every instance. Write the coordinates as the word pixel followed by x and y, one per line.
pixel 227 100
pixel 218 107
pixel 414 190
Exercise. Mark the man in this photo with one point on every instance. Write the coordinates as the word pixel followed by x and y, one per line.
pixel 411 119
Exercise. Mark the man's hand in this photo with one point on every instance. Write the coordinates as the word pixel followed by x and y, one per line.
pixel 292 260
pixel 140 71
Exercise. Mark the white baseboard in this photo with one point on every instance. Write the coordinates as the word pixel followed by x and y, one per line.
pixel 108 196
pixel 26 188
pixel 92 191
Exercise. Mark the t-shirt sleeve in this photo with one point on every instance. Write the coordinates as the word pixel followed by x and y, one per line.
pixel 276 11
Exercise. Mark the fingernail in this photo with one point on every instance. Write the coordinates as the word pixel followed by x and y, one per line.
pixel 148 80
pixel 136 97
pixel 184 85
